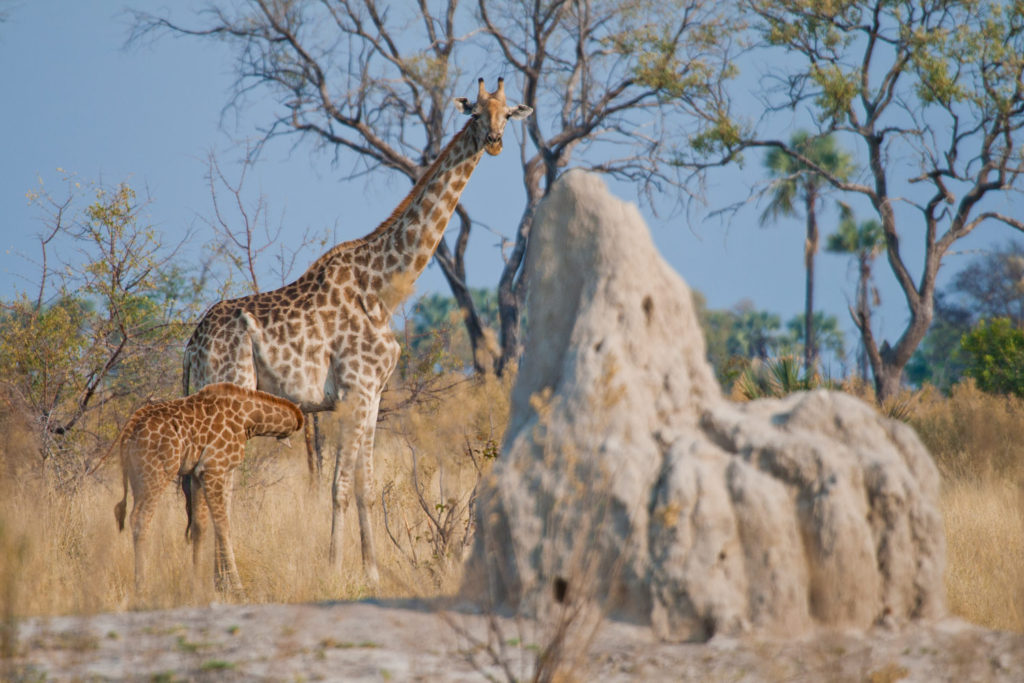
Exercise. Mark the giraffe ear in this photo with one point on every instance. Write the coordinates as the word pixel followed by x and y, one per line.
pixel 463 105
pixel 519 112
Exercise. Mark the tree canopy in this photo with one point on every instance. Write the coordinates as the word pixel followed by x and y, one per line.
pixel 610 81
pixel 928 93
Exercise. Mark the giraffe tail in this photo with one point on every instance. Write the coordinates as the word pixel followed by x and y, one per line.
pixel 186 488
pixel 122 507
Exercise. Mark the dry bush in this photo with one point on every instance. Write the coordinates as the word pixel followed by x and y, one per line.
pixel 434 454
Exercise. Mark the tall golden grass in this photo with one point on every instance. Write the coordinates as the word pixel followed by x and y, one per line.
pixel 60 552
pixel 976 440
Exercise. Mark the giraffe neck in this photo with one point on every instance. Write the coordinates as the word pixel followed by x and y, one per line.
pixel 400 249
pixel 272 416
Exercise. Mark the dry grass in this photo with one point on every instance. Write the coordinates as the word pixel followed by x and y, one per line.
pixel 60 552
pixel 976 441
pixel 973 436
pixel 985 535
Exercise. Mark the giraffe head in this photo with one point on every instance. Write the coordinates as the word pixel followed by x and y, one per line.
pixel 491 114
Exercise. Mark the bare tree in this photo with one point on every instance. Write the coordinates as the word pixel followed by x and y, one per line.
pixel 615 79
pixel 372 81
pixel 354 77
pixel 931 93
pixel 243 235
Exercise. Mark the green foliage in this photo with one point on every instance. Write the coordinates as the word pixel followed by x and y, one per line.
pixel 104 336
pixel 827 335
pixel 940 359
pixel 794 179
pixel 988 287
pixel 777 377
pixel 995 356
pixel 646 35
pixel 744 336
pixel 436 335
pixel 864 239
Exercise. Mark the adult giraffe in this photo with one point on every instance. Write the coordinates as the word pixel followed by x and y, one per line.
pixel 325 341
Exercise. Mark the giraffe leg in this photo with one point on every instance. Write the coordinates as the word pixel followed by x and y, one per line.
pixel 341 487
pixel 352 415
pixel 143 509
pixel 311 449
pixel 217 486
pixel 364 494
pixel 199 516
pixel 318 442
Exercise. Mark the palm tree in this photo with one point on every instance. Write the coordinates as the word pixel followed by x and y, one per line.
pixel 865 240
pixel 796 182
pixel 754 332
pixel 827 335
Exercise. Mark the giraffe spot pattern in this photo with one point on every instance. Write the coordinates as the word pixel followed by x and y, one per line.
pixel 326 337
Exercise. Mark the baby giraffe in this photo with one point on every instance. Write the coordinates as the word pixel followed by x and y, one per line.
pixel 200 438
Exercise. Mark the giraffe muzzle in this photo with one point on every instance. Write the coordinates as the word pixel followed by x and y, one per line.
pixel 493 144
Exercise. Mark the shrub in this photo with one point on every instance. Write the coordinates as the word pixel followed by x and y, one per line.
pixel 995 352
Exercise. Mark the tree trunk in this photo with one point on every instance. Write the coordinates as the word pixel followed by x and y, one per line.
pixel 887 362
pixel 888 380
pixel 864 311
pixel 540 173
pixel 454 269
pixel 510 298
pixel 810 249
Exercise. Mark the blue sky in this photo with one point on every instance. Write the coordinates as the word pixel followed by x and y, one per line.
pixel 77 100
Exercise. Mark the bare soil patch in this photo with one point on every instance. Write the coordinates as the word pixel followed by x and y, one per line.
pixel 405 640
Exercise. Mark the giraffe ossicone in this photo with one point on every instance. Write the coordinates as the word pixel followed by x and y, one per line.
pixel 325 340
pixel 200 438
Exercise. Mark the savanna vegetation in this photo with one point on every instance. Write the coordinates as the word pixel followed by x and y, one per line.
pixel 100 332
pixel 440 431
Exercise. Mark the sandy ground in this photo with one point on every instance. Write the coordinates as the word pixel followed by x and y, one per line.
pixel 372 640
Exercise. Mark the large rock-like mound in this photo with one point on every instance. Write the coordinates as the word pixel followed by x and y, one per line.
pixel 626 478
